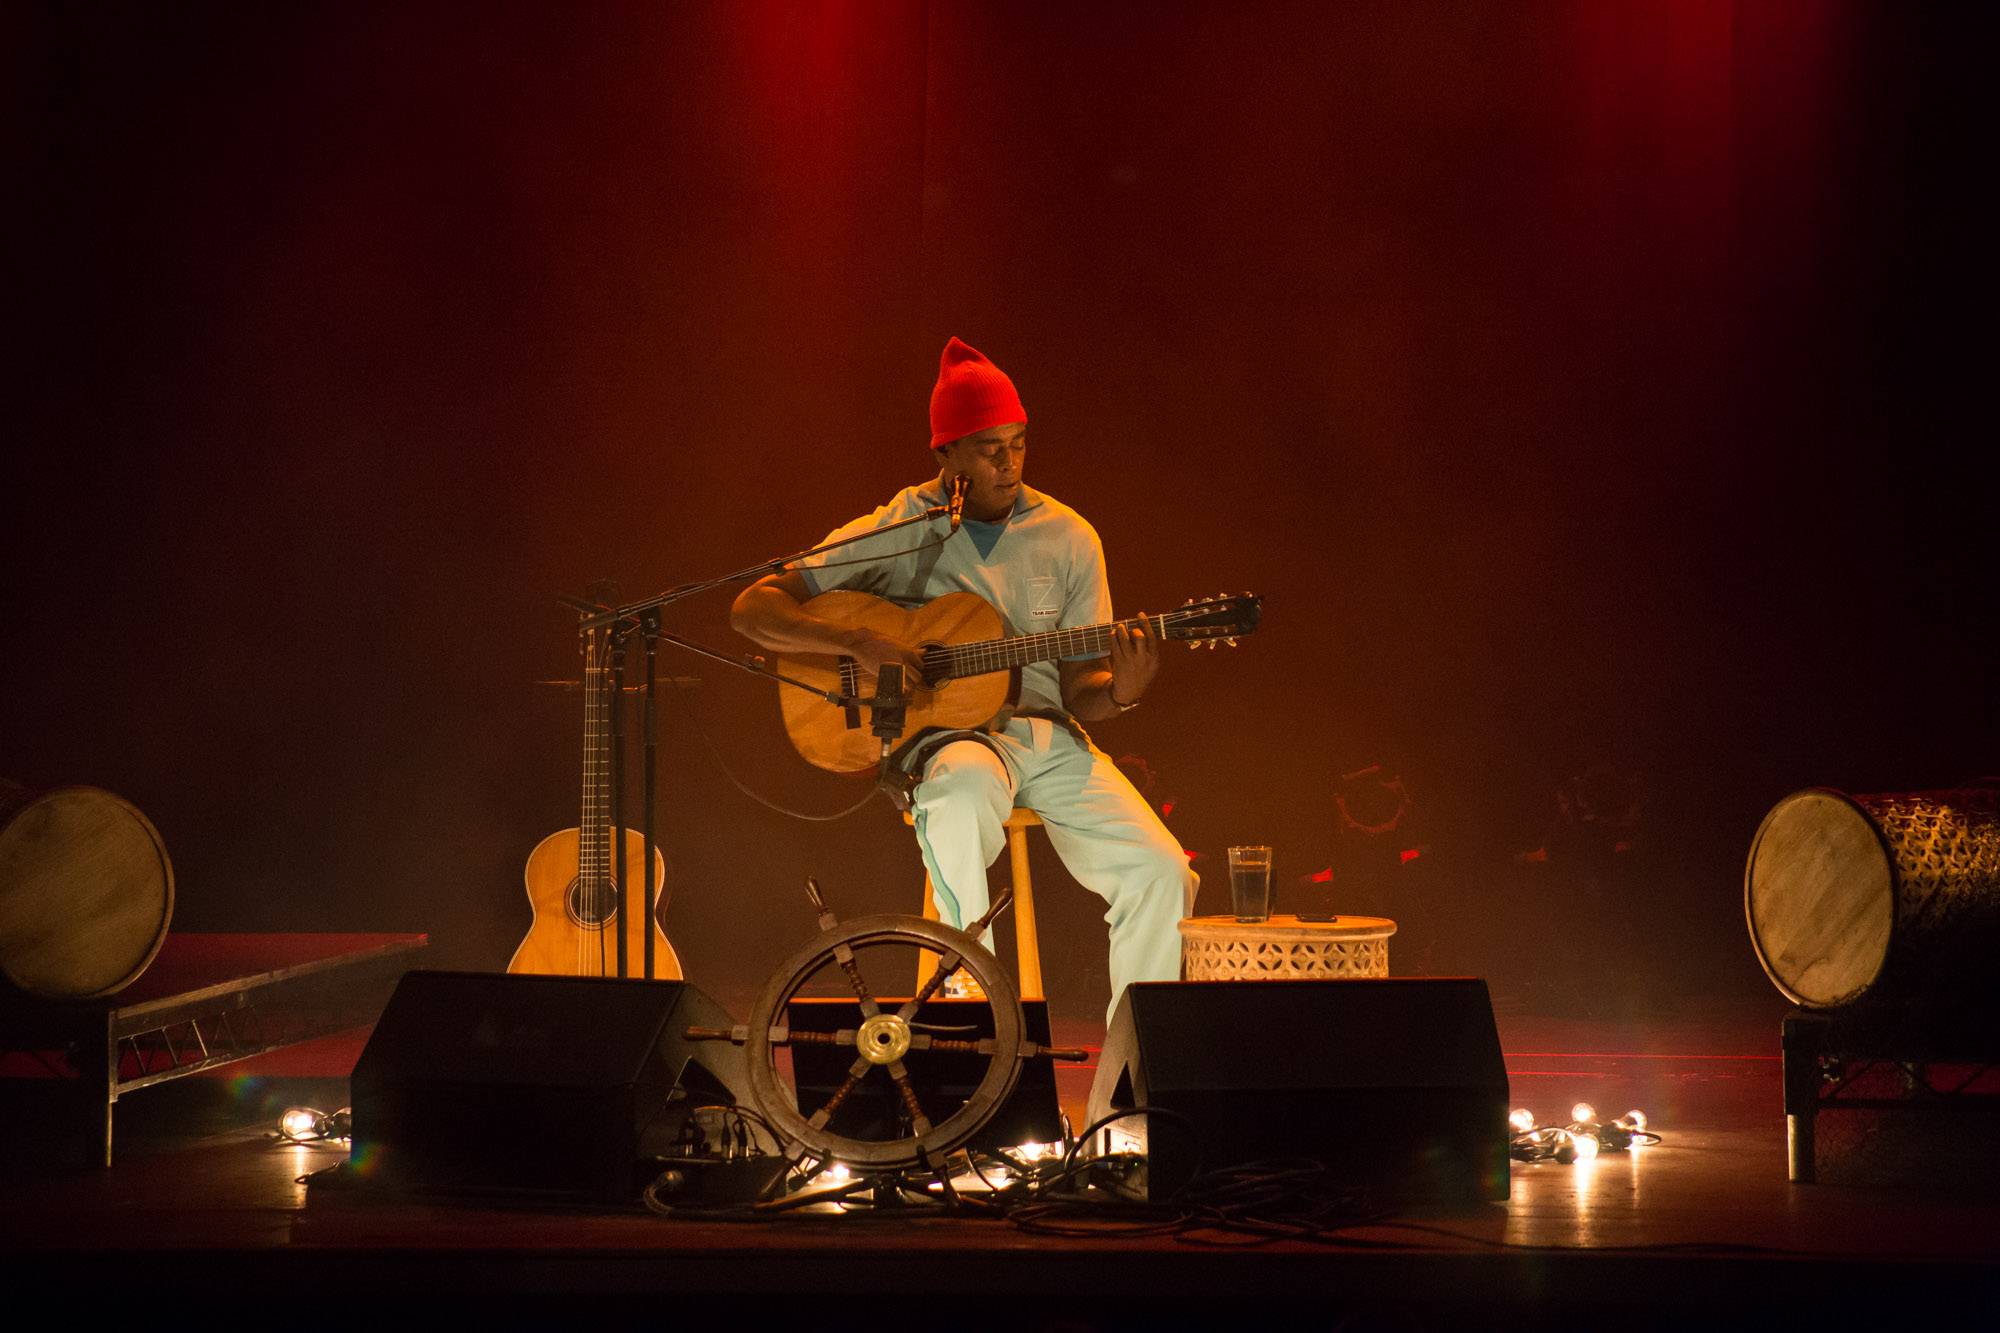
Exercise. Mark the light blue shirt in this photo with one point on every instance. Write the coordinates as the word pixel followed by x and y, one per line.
pixel 1042 569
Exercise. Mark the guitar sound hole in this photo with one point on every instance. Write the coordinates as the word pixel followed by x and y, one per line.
pixel 850 674
pixel 593 906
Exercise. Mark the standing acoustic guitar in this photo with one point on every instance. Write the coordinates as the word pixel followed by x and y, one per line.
pixel 572 875
pixel 972 669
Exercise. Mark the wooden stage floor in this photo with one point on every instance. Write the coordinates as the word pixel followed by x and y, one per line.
pixel 1704 1224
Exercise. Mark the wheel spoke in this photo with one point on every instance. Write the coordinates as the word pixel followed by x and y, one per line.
pixel 924 1041
pixel 844 1037
pixel 855 1073
pixel 947 965
pixel 918 1120
pixel 978 928
pixel 852 967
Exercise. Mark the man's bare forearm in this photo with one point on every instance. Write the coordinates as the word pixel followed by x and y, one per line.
pixel 771 618
pixel 769 615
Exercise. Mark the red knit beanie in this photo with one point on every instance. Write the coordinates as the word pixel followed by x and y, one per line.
pixel 972 394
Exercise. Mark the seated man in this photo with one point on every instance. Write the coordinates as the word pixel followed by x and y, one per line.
pixel 1042 567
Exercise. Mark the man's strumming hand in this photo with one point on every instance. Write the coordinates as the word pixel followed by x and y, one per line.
pixel 871 652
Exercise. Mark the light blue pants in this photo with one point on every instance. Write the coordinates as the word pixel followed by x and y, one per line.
pixel 1105 833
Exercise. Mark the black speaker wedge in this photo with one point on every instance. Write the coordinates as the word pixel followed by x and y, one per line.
pixel 478 1082
pixel 1396 1085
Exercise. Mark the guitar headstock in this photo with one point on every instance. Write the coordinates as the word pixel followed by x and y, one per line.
pixel 1215 620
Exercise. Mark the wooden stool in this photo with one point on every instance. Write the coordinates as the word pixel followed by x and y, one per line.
pixel 1026 943
pixel 1284 948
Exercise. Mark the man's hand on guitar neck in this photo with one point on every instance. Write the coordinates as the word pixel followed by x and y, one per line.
pixel 1135 660
pixel 1104 687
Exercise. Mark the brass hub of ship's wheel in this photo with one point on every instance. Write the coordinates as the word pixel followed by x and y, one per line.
pixel 883 1039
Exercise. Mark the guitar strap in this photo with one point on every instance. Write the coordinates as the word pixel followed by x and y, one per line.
pixel 904 769
pixel 920 580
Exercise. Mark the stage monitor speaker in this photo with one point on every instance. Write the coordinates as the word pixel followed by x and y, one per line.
pixel 561 1086
pixel 1395 1085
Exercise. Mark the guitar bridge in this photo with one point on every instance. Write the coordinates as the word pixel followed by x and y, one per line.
pixel 852 712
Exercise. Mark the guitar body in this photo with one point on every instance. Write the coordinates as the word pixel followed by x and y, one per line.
pixel 822 733
pixel 573 937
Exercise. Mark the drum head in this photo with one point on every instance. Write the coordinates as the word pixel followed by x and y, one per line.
pixel 1820 895
pixel 86 892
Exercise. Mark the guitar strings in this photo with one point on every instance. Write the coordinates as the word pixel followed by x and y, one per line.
pixel 599 827
pixel 989 655
pixel 594 855
pixel 590 869
pixel 998 654
pixel 953 655
pixel 587 820
pixel 583 844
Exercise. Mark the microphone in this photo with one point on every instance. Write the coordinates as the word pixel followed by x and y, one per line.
pixel 889 706
pixel 956 505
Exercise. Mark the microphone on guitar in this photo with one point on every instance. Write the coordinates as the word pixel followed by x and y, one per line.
pixel 889 707
pixel 956 504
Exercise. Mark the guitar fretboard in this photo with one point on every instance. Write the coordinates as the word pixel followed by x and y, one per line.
pixel 593 854
pixel 975 659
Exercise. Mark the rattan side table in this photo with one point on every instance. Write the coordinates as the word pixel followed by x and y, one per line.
pixel 1284 948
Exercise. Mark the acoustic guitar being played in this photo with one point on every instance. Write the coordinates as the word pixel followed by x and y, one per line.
pixel 971 666
pixel 572 877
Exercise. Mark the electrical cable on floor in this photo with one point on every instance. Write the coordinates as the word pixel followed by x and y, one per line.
pixel 1244 1206
pixel 1254 1204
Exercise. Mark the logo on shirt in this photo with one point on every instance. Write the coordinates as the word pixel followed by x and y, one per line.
pixel 1043 596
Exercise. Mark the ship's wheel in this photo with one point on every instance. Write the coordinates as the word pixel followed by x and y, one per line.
pixel 883 1040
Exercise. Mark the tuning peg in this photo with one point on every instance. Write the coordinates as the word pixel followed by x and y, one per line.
pixel 1213 645
pixel 1194 645
pixel 1230 640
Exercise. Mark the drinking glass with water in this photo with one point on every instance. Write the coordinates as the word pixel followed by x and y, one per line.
pixel 1250 883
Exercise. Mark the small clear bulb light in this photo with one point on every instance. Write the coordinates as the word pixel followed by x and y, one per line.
pixel 1522 1120
pixel 839 1174
pixel 300 1122
pixel 1583 1113
pixel 1586 1146
pixel 1636 1119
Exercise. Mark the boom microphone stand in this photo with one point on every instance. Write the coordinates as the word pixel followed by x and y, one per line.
pixel 680 592
pixel 886 706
